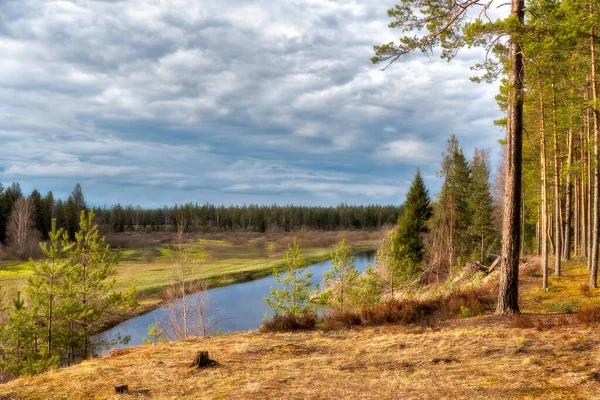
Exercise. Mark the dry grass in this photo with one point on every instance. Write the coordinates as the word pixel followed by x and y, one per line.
pixel 565 294
pixel 477 362
pixel 546 355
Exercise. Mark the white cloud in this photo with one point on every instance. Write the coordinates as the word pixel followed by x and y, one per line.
pixel 409 151
pixel 206 97
pixel 68 170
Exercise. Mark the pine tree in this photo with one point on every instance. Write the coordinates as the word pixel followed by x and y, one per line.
pixel 294 297
pixel 480 202
pixel 342 278
pixel 43 284
pixel 87 287
pixel 368 287
pixel 412 224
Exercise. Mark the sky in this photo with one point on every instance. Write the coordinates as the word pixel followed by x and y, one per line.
pixel 157 102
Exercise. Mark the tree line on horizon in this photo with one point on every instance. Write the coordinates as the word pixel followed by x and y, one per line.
pixel 26 220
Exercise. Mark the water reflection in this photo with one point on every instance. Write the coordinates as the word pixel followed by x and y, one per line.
pixel 234 308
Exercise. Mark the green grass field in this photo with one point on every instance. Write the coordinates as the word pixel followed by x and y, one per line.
pixel 219 259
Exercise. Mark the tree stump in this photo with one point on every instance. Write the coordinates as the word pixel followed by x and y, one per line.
pixel 121 389
pixel 202 360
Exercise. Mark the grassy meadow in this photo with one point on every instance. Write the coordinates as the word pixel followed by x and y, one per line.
pixel 220 258
pixel 545 353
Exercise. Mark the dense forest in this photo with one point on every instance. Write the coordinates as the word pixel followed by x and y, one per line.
pixel 25 220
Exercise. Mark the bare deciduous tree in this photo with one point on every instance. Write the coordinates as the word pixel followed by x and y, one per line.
pixel 188 295
pixel 22 235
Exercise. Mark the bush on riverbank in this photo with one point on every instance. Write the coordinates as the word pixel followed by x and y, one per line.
pixel 290 322
pixel 461 303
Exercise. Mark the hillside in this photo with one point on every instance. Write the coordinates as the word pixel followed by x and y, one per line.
pixel 532 356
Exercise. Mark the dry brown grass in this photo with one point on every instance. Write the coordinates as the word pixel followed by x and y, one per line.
pixel 488 361
pixel 588 315
pixel 544 355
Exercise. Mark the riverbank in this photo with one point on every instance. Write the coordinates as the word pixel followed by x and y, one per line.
pixel 486 358
pixel 234 308
pixel 154 301
pixel 545 355
pixel 218 258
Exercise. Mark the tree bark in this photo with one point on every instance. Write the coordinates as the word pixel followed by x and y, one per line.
pixel 590 187
pixel 508 295
pixel 595 201
pixel 576 217
pixel 566 251
pixel 557 205
pixel 544 194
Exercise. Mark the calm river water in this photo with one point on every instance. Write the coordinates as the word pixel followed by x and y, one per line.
pixel 234 308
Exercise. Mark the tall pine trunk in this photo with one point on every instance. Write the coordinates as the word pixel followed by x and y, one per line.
pixel 557 206
pixel 543 191
pixel 576 216
pixel 566 251
pixel 590 185
pixel 508 294
pixel 595 201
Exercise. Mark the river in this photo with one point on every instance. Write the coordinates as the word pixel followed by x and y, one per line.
pixel 233 308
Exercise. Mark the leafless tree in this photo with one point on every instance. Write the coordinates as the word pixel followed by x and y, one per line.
pixel 22 235
pixel 188 295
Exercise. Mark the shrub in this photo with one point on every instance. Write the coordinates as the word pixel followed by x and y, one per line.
pixel 403 312
pixel 532 268
pixel 290 322
pixel 522 321
pixel 259 243
pixel 338 318
pixel 467 302
pixel 562 307
pixel 585 290
pixel 540 323
pixel 588 315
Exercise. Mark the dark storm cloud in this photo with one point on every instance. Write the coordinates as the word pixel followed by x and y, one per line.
pixel 158 102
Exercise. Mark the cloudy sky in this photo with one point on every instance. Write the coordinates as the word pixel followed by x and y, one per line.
pixel 157 102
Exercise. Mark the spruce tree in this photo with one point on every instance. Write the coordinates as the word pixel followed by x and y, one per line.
pixel 78 198
pixel 454 216
pixel 38 207
pixel 394 264
pixel 412 224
